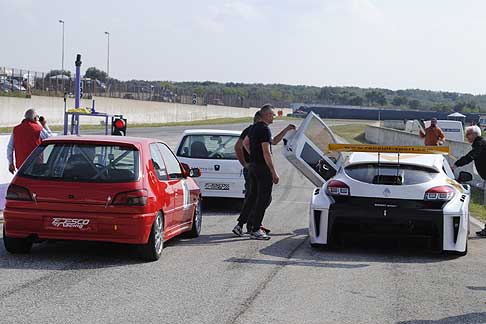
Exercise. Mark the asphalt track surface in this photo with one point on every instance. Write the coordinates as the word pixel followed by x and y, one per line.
pixel 220 278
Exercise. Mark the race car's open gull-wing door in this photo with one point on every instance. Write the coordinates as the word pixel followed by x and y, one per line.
pixel 308 150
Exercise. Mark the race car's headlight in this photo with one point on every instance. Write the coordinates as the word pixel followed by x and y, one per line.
pixel 337 188
pixel 442 193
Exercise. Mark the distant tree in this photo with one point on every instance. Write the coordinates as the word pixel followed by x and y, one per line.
pixel 414 104
pixel 58 72
pixel 376 97
pixel 96 74
pixel 399 101
pixel 356 101
pixel 459 107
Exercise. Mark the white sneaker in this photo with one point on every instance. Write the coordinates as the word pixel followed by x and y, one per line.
pixel 259 235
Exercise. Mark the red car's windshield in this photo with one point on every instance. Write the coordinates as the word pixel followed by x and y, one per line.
pixel 82 163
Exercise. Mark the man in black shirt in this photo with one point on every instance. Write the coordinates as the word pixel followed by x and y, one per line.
pixel 477 154
pixel 261 171
pixel 244 158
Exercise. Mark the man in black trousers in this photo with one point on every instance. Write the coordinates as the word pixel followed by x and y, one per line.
pixel 262 173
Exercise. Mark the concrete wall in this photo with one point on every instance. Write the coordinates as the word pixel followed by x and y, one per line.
pixel 388 136
pixel 396 124
pixel 136 111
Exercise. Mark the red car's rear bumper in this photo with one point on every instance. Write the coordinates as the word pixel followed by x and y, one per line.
pixel 118 228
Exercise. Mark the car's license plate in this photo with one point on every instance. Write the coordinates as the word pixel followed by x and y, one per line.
pixel 217 186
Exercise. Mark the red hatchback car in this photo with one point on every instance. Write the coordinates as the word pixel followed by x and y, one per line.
pixel 101 188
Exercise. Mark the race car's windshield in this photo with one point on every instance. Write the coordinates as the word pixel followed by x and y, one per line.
pixel 208 147
pixel 82 163
pixel 389 174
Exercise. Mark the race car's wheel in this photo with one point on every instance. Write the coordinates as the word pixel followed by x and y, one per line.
pixel 318 245
pixel 196 221
pixel 16 245
pixel 153 249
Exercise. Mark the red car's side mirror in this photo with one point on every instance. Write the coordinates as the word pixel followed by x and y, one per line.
pixel 187 171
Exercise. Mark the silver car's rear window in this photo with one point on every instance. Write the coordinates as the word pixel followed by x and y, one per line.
pixel 390 174
pixel 208 147
pixel 82 163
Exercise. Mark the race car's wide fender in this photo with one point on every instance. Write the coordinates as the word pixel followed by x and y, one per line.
pixel 319 216
pixel 458 208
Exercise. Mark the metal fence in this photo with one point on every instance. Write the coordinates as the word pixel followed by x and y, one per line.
pixel 24 83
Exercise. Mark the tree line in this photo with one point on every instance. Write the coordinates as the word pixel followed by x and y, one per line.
pixel 283 95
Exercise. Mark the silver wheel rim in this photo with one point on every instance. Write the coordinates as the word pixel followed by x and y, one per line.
pixel 198 216
pixel 159 233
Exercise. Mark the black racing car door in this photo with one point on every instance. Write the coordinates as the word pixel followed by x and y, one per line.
pixel 307 150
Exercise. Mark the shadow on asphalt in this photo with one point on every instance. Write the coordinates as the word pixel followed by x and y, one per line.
pixel 218 206
pixel 471 318
pixel 296 251
pixel 71 255
pixel 214 239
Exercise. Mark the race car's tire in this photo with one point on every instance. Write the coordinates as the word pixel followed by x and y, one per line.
pixel 153 249
pixel 16 245
pixel 318 245
pixel 196 221
pixel 457 253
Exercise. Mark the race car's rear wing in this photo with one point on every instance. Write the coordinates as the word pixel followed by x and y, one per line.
pixel 389 149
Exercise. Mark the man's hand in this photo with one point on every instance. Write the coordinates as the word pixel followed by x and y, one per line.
pixel 275 177
pixel 290 127
pixel 453 167
pixel 11 168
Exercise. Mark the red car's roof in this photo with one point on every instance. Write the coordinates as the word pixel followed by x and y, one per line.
pixel 120 140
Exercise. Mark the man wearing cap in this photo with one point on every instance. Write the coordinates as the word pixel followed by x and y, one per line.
pixel 433 134
pixel 24 139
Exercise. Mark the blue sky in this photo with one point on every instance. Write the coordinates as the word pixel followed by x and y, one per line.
pixel 397 44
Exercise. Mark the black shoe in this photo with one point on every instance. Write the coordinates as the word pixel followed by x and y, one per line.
pixel 238 231
pixel 266 230
pixel 481 233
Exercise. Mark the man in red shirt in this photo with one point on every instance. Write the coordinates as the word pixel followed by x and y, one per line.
pixel 25 138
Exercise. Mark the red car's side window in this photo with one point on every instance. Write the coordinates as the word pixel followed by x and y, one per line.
pixel 158 162
pixel 171 162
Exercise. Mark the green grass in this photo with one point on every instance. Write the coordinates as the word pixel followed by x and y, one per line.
pixel 476 205
pixel 352 133
pixel 215 121
pixel 16 94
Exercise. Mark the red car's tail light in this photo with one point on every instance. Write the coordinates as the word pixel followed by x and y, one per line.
pixel 131 198
pixel 337 188
pixel 15 192
pixel 441 193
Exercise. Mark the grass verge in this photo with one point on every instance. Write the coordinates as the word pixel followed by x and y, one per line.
pixel 352 133
pixel 215 121
pixel 476 206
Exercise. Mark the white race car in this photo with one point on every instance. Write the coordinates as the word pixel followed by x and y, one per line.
pixel 212 151
pixel 380 189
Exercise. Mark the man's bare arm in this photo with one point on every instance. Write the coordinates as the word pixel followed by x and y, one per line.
pixel 246 144
pixel 282 133
pixel 267 155
pixel 239 152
